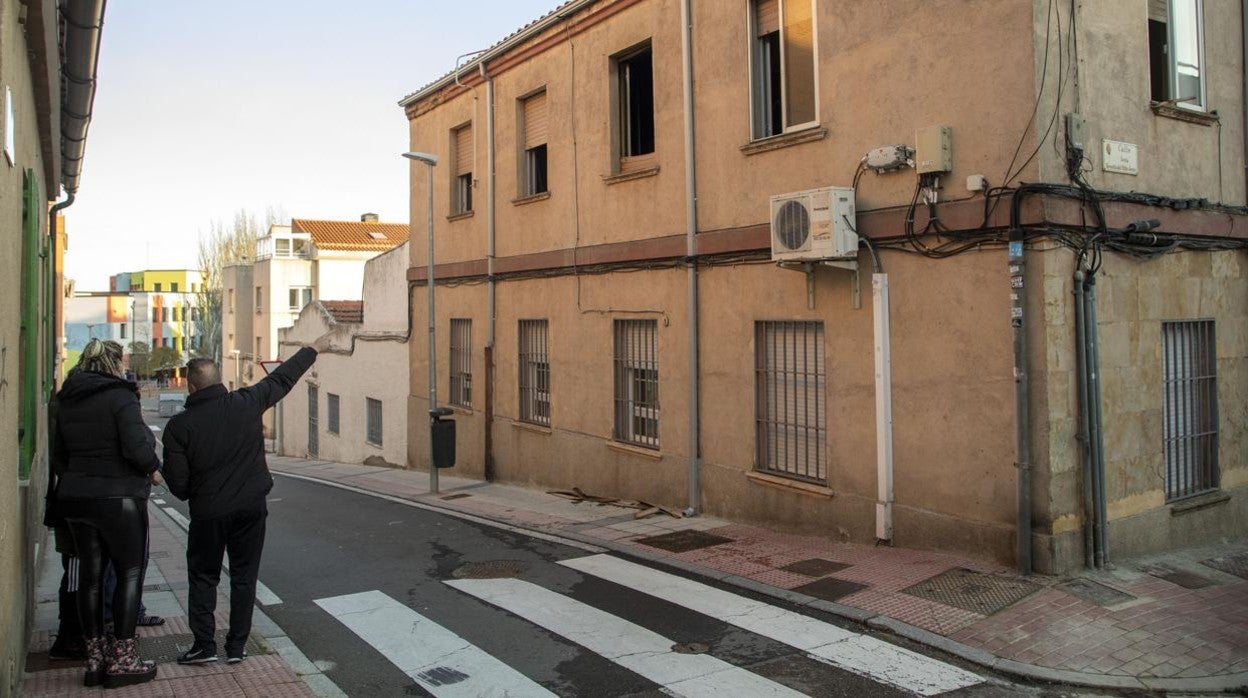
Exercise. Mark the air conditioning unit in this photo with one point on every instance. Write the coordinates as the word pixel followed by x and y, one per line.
pixel 813 225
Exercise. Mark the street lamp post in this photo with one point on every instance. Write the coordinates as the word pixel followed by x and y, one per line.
pixel 430 161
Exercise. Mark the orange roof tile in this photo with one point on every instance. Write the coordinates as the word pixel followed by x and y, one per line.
pixel 345 311
pixel 351 235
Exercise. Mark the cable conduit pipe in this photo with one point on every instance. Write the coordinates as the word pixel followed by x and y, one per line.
pixel 1098 445
pixel 491 286
pixel 1022 427
pixel 1085 436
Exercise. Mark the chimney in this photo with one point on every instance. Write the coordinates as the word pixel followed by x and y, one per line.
pixel 368 217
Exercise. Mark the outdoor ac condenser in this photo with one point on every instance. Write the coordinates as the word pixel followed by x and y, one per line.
pixel 813 225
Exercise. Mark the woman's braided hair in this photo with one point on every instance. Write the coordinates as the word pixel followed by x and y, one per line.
pixel 101 356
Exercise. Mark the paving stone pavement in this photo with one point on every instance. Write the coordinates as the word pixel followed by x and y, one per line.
pixel 1165 637
pixel 263 674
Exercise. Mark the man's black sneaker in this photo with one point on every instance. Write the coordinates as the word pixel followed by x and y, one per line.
pixel 67 649
pixel 235 656
pixel 198 655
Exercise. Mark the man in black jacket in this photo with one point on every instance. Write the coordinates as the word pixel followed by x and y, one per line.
pixel 214 456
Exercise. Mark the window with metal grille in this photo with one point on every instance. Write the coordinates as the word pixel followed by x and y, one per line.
pixel 534 372
pixel 637 382
pixel 461 362
pixel 1189 407
pixel 790 400
pixel 372 432
pixel 331 407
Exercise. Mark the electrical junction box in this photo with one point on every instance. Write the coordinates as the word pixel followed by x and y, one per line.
pixel 933 149
pixel 1076 131
pixel 889 157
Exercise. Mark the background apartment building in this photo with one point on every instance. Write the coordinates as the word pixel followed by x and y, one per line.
pixel 293 265
pixel 612 314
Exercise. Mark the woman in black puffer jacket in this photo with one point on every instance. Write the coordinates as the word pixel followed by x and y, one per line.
pixel 105 459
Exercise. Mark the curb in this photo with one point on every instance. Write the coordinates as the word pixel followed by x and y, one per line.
pixel 974 655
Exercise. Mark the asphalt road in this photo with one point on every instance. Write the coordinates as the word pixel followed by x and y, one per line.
pixel 371 591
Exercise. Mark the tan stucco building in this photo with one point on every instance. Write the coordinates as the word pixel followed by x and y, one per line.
pixel 609 314
pixel 43 132
pixel 358 386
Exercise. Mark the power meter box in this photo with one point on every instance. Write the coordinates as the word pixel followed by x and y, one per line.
pixel 933 149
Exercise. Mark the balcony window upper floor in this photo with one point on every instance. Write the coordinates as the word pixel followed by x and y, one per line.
pixel 632 76
pixel 533 144
pixel 284 246
pixel 1176 53
pixel 783 74
pixel 461 173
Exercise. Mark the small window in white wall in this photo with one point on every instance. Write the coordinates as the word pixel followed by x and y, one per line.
pixel 299 297
pixel 373 431
pixel 331 408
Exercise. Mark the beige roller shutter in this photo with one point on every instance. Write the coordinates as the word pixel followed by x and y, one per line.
pixel 463 150
pixel 1158 11
pixel 767 16
pixel 535 121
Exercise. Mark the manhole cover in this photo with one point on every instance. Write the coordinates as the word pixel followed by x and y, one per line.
pixel 815 567
pixel 973 591
pixel 490 569
pixel 691 648
pixel 166 648
pixel 1235 563
pixel 1185 579
pixel 684 540
pixel 1095 592
pixel 830 588
pixel 461 495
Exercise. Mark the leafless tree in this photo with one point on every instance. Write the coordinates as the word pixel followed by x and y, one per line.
pixel 223 244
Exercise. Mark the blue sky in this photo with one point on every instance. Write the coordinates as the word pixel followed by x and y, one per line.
pixel 204 108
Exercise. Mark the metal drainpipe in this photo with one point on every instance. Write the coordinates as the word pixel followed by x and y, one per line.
pixel 691 252
pixel 488 463
pixel 52 231
pixel 1098 445
pixel 1022 426
pixel 1085 423
pixel 1243 68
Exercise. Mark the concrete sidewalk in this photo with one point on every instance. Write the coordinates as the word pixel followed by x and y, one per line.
pixel 1171 623
pixel 269 670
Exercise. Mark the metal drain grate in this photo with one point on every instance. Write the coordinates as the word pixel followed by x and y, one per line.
pixel 166 648
pixel 1095 592
pixel 830 588
pixel 684 540
pixel 973 591
pixel 815 567
pixel 1235 563
pixel 490 569
pixel 461 495
pixel 1183 578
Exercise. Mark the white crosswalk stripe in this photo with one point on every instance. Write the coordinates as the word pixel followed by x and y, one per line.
pixel 440 661
pixel 631 646
pixel 860 654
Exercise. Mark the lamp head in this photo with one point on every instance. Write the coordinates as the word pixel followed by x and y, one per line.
pixel 428 158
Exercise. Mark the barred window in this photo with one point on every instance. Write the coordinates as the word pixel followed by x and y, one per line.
pixel 373 430
pixel 790 400
pixel 461 362
pixel 1190 407
pixel 637 382
pixel 534 372
pixel 331 407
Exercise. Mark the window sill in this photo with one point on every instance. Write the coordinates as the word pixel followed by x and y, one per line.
pixel 629 176
pixel 532 198
pixel 370 443
pixel 784 140
pixel 462 410
pixel 785 483
pixel 650 453
pixel 460 216
pixel 1200 501
pixel 535 428
pixel 1191 116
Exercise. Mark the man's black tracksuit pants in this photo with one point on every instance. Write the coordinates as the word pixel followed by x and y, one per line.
pixel 241 534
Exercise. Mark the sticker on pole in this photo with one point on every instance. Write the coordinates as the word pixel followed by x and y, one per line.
pixel 1016 248
pixel 268 366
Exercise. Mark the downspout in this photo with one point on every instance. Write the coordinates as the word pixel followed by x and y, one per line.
pixel 1243 69
pixel 488 463
pixel 691 256
pixel 52 232
pixel 1098 445
pixel 1085 424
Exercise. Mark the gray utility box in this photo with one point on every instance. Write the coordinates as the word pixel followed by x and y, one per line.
pixel 171 404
